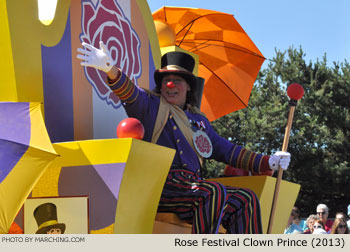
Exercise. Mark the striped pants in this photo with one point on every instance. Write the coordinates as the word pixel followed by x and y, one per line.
pixel 207 204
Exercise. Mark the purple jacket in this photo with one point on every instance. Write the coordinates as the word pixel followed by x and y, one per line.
pixel 144 106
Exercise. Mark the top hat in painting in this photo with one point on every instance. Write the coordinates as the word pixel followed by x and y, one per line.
pixel 46 218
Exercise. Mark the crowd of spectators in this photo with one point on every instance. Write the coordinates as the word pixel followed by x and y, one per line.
pixel 318 223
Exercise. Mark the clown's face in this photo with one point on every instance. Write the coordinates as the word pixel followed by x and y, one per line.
pixel 54 231
pixel 174 89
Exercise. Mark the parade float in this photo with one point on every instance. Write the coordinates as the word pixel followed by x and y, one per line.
pixel 58 120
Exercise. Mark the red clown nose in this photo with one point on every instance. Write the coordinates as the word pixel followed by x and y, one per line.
pixel 170 84
pixel 295 91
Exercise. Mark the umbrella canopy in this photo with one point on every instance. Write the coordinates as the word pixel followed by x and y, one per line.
pixel 228 59
pixel 25 153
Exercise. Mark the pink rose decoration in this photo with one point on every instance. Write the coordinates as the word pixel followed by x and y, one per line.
pixel 203 144
pixel 105 21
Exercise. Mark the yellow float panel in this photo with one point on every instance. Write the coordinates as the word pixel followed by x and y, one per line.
pixel 96 168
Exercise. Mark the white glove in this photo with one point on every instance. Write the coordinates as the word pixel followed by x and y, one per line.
pixel 97 58
pixel 280 158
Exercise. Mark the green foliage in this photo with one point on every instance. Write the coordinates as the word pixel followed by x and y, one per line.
pixel 319 140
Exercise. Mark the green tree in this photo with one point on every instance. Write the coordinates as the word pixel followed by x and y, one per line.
pixel 320 134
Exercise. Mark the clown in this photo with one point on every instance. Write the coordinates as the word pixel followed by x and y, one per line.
pixel 46 218
pixel 171 119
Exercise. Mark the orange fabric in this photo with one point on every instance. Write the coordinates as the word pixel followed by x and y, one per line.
pixel 15 229
pixel 228 59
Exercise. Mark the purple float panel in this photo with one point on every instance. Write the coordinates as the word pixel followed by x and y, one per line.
pixel 152 69
pixel 15 130
pixel 101 183
pixel 58 88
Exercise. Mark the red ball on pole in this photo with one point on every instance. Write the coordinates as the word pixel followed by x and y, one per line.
pixel 295 91
pixel 130 128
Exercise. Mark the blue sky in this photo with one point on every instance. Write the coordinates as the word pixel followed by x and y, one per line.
pixel 318 26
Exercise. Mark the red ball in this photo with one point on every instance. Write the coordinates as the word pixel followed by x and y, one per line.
pixel 130 128
pixel 170 84
pixel 295 91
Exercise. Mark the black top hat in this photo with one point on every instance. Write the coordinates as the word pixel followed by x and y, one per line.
pixel 178 63
pixel 46 218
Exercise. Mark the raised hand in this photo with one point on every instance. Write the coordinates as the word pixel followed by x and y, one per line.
pixel 93 57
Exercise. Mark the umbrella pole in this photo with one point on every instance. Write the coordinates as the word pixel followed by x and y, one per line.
pixel 280 171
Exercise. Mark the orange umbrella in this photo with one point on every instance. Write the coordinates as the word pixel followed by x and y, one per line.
pixel 228 59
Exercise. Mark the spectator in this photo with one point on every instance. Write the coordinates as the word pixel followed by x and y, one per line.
pixel 295 224
pixel 340 227
pixel 310 223
pixel 319 227
pixel 348 222
pixel 340 215
pixel 319 231
pixel 322 213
